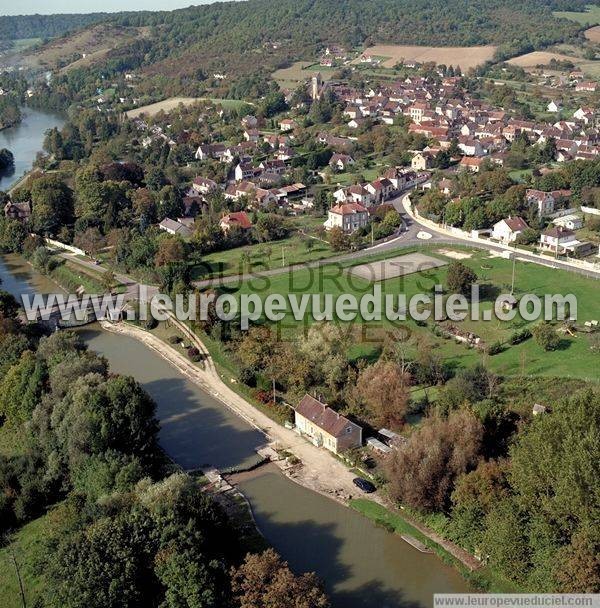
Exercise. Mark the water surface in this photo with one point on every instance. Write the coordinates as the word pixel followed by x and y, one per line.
pixel 25 141
pixel 363 566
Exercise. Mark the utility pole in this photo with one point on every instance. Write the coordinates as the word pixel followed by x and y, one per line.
pixel 21 588
pixel 512 287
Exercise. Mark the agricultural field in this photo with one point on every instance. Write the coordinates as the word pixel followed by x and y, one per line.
pixel 529 61
pixel 590 17
pixel 167 105
pixel 572 359
pixel 465 57
pixel 593 34
pixel 299 72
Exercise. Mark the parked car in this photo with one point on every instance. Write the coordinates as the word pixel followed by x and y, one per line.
pixel 366 486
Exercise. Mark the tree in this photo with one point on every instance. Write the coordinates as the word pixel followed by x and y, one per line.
pixel 384 389
pixel 171 250
pixel 338 240
pixel 52 204
pixel 7 160
pixel 265 581
pixel 91 241
pixel 544 533
pixel 270 227
pixel 546 337
pixel 423 471
pixel 170 203
pixel 460 278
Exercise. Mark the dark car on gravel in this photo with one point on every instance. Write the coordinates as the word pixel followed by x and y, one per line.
pixel 366 486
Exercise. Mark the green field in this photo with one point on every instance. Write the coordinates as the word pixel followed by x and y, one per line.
pixel 293 250
pixel 589 17
pixel 573 359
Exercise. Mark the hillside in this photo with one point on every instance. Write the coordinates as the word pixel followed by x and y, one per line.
pixel 216 35
pixel 44 26
pixel 82 48
pixel 248 40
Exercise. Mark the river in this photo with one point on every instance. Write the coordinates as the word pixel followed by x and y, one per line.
pixel 363 566
pixel 25 140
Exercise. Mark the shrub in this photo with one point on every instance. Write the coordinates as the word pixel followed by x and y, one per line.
pixel 520 336
pixel 174 339
pixel 546 337
pixel 194 354
pixel 150 323
pixel 495 348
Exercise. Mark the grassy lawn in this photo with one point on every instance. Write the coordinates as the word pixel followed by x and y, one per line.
pixel 24 546
pixel 231 104
pixel 262 256
pixel 348 178
pixel 590 17
pixel 521 175
pixel 573 359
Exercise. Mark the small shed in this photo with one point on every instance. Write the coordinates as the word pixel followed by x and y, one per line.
pixel 378 446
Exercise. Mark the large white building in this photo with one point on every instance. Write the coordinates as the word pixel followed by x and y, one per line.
pixel 347 216
pixel 507 230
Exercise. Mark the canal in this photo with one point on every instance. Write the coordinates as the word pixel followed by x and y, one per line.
pixel 363 566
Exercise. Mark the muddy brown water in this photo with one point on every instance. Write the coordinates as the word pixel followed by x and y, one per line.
pixel 362 565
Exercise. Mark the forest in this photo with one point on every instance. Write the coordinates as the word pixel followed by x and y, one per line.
pixel 120 526
pixel 251 39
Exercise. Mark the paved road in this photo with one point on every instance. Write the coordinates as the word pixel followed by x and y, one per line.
pixel 524 256
pixel 408 238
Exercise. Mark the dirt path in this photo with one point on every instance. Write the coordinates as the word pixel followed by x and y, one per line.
pixel 320 471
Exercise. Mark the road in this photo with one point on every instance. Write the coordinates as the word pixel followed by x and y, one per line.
pixel 409 238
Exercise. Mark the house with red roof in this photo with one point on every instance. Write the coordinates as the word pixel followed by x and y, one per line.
pixel 237 218
pixel 347 216
pixel 325 427
pixel 508 230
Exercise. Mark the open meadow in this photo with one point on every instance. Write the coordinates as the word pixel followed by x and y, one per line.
pixel 589 17
pixel 86 46
pixel 572 359
pixel 168 105
pixel 298 72
pixel 465 57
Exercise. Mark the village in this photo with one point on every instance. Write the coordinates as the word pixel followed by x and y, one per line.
pixel 285 162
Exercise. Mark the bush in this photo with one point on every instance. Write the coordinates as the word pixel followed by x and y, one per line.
pixel 150 323
pixel 520 336
pixel 495 348
pixel 546 337
pixel 174 339
pixel 194 354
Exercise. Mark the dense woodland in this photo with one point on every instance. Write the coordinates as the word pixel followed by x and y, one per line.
pixel 248 40
pixel 124 528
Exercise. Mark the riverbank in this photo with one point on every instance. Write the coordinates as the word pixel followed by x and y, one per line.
pixel 319 471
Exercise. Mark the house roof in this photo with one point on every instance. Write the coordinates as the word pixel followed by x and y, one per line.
pixel 324 417
pixel 348 209
pixel 516 223
pixel 558 232
pixel 238 218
